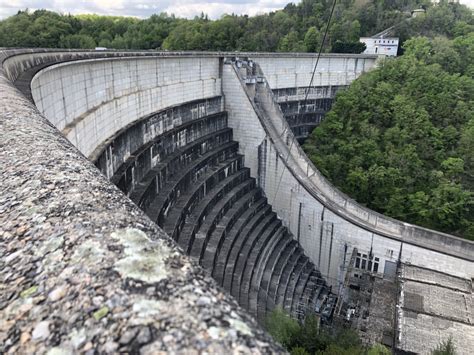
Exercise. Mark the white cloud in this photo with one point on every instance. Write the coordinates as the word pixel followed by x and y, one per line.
pixel 144 8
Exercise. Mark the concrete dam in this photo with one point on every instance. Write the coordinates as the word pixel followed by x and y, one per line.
pixel 115 165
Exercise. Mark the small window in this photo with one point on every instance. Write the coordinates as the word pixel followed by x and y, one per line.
pixel 358 254
pixel 377 259
pixel 357 265
pixel 364 255
pixel 363 264
pixel 376 267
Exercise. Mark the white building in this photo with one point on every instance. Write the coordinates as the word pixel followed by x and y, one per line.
pixel 381 45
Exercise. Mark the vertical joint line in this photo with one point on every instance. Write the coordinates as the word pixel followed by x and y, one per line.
pixel 299 223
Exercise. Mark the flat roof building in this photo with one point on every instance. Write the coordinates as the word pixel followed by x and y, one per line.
pixel 381 45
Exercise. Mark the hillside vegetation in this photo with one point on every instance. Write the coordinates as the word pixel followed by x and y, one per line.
pixel 294 28
pixel 400 139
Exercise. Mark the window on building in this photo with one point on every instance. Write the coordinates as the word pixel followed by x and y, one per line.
pixel 357 261
pixel 367 262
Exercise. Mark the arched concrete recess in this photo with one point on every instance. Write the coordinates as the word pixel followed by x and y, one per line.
pixel 110 260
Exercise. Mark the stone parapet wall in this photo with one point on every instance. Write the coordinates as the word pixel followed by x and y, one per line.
pixel 82 268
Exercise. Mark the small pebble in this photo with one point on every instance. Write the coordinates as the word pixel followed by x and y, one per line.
pixel 41 331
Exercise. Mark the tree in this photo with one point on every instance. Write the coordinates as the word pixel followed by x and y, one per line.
pixel 299 351
pixel 77 41
pixel 378 349
pixel 284 329
pixel 308 338
pixel 348 47
pixel 294 28
pixel 400 139
pixel 312 39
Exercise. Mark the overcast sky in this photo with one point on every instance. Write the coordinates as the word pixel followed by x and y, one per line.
pixel 145 8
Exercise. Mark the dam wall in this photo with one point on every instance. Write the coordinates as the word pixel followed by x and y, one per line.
pixel 295 71
pixel 327 223
pixel 205 159
pixel 289 78
pixel 92 100
pixel 156 126
pixel 348 242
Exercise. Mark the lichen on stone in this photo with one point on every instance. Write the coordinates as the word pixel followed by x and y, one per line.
pixel 240 326
pixel 50 245
pixel 101 313
pixel 145 259
pixel 28 292
pixel 88 253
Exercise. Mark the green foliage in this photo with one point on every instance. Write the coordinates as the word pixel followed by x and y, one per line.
pixel 299 351
pixel 379 349
pixel 308 338
pixel 284 329
pixel 348 47
pixel 312 39
pixel 400 139
pixel 445 348
pixel 294 28
pixel 77 41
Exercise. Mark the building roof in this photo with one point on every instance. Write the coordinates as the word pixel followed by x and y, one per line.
pixel 434 306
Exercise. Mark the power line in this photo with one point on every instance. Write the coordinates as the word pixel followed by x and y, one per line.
pixel 307 91
pixel 320 49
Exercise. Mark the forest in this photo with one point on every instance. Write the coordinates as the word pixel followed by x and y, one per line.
pixel 295 28
pixel 400 139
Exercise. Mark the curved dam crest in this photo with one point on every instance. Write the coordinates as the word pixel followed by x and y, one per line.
pixel 200 143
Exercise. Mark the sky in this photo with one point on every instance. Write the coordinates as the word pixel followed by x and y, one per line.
pixel 145 8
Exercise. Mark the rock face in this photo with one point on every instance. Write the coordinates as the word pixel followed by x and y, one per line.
pixel 83 269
